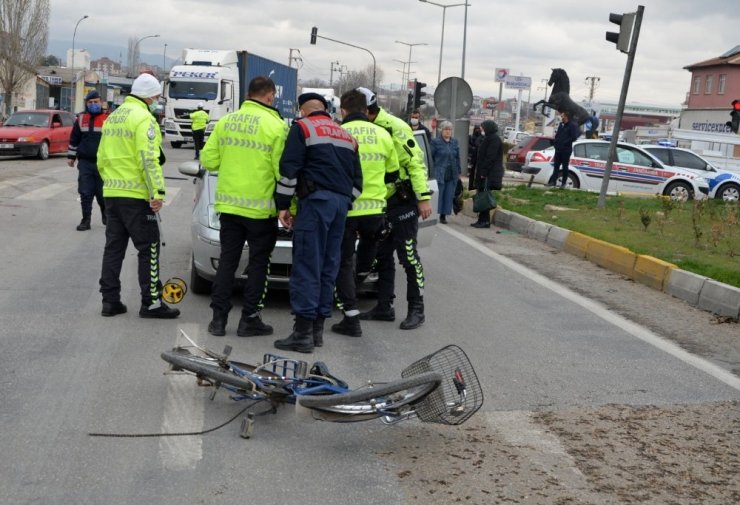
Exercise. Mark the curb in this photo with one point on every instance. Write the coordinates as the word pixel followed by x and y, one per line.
pixel 702 292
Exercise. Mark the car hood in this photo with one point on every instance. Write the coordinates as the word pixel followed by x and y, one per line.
pixel 13 132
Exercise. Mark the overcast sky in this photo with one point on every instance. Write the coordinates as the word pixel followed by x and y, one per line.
pixel 529 37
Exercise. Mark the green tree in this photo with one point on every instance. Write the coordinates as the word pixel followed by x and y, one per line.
pixel 49 61
pixel 24 31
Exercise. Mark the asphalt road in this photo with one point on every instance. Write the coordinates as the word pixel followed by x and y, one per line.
pixel 544 331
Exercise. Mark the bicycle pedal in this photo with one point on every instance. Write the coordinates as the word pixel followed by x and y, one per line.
pixel 227 351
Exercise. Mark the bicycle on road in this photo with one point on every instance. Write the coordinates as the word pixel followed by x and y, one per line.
pixel 441 387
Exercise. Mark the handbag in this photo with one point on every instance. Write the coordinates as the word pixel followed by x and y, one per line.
pixel 483 201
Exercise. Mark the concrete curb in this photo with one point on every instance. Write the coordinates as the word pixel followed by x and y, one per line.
pixel 702 292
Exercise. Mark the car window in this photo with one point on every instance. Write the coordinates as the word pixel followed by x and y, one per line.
pixel 662 154
pixel 541 144
pixel 637 157
pixel 688 160
pixel 595 151
pixel 625 156
pixel 56 119
pixel 68 119
pixel 523 142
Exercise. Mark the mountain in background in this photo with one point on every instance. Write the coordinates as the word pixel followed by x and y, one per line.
pixel 119 54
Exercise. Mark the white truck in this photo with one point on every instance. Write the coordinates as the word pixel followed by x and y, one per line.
pixel 219 79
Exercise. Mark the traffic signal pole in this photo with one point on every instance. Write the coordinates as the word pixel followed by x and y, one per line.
pixel 620 107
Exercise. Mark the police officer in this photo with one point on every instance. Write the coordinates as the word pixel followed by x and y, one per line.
pixel 379 166
pixel 133 187
pixel 83 147
pixel 199 119
pixel 321 166
pixel 408 199
pixel 245 149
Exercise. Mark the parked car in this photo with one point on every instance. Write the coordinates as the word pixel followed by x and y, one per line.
pixel 36 133
pixel 634 171
pixel 516 157
pixel 205 226
pixel 723 184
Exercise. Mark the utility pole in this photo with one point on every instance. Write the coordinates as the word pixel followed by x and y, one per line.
pixel 292 58
pixel 592 87
pixel 331 72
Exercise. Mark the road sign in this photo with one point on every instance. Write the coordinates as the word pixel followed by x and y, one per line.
pixel 453 98
pixel 501 74
pixel 518 82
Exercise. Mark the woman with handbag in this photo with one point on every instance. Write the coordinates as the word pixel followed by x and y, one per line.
pixel 446 156
pixel 489 173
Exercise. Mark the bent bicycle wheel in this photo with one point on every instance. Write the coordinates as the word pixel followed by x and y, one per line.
pixel 370 402
pixel 205 368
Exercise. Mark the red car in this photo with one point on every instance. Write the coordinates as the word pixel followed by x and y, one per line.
pixel 516 157
pixel 36 133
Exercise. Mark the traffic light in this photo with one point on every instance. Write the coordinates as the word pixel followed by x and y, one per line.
pixel 419 94
pixel 734 123
pixel 410 103
pixel 623 38
pixel 314 34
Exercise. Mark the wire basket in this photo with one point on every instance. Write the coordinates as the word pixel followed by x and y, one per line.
pixel 458 397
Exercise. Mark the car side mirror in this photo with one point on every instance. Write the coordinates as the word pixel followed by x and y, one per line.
pixel 191 169
pixel 56 124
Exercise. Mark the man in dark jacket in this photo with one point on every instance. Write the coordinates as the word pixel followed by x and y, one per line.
pixel 83 147
pixel 489 167
pixel 567 133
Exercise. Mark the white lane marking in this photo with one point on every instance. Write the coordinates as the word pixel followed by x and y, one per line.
pixel 47 191
pixel 633 329
pixel 184 411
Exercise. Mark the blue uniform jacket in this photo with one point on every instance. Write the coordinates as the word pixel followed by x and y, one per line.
pixel 565 136
pixel 322 154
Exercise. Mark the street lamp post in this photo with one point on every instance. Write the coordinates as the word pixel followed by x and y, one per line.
pixel 442 40
pixel 135 59
pixel 411 46
pixel 164 60
pixel 74 75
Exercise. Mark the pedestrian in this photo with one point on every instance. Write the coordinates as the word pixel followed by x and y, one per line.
pixel 321 166
pixel 365 221
pixel 446 157
pixel 83 147
pixel 566 134
pixel 408 198
pixel 245 202
pixel 199 119
pixel 473 144
pixel 415 120
pixel 489 167
pixel 130 159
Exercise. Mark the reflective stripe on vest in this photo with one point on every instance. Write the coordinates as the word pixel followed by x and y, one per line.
pixel 245 203
pixel 326 131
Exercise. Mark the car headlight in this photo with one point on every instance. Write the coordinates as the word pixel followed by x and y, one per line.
pixel 25 139
pixel 213 218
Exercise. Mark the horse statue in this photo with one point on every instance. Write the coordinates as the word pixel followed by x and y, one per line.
pixel 560 98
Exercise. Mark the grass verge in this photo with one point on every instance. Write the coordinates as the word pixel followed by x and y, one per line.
pixel 698 236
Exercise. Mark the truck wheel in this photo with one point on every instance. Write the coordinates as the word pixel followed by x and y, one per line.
pixel 176 145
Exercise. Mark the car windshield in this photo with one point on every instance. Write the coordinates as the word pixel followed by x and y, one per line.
pixel 39 119
pixel 194 90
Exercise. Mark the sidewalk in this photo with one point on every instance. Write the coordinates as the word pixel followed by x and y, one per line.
pixel 702 292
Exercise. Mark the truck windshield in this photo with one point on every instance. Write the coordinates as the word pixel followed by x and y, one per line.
pixel 194 90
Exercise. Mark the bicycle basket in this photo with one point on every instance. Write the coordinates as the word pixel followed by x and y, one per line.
pixel 458 397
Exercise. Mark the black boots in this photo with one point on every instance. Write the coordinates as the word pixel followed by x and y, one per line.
pixel 159 310
pixel 217 326
pixel 349 326
pixel 301 340
pixel 481 224
pixel 415 317
pixel 84 224
pixel 381 312
pixel 318 331
pixel 253 326
pixel 113 309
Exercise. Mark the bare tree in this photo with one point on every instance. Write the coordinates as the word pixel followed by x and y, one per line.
pixel 24 30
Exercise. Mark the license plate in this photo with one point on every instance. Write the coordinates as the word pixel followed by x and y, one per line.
pixel 6 146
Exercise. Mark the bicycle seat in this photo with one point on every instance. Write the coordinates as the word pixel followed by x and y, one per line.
pixel 319 368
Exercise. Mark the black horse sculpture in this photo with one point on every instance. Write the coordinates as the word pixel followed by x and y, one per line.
pixel 560 98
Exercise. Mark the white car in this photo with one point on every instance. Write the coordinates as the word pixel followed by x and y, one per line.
pixel 723 184
pixel 634 171
pixel 205 230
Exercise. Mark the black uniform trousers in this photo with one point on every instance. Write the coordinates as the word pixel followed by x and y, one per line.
pixel 198 140
pixel 366 229
pixel 89 186
pixel 404 219
pixel 561 159
pixel 130 218
pixel 260 236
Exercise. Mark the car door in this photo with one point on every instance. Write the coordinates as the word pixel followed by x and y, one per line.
pixel 589 163
pixel 59 138
pixel 637 172
pixel 427 226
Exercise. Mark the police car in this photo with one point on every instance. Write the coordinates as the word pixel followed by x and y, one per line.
pixel 205 229
pixel 633 171
pixel 723 184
